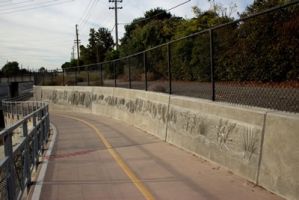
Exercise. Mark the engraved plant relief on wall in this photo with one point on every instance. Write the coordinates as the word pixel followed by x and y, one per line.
pixel 224 129
pixel 250 142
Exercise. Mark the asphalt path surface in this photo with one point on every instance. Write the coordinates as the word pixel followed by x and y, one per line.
pixel 100 158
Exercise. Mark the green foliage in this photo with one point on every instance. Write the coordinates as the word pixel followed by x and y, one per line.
pixel 156 27
pixel 191 56
pixel 260 49
pixel 70 66
pixel 100 42
pixel 42 70
pixel 109 69
pixel 263 48
pixel 11 68
pixel 112 55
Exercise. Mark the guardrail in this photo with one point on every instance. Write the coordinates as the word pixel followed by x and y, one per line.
pixel 22 143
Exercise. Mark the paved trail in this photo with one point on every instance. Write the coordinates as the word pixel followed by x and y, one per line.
pixel 101 158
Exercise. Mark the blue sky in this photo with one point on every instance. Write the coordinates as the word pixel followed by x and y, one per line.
pixel 44 36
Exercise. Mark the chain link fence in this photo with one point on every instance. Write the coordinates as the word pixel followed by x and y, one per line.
pixel 252 61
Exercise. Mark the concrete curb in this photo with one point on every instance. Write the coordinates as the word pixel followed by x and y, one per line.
pixel 42 173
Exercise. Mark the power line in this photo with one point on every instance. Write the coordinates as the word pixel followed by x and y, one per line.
pixel 5 4
pixel 144 19
pixel 7 1
pixel 87 9
pixel 28 5
pixel 89 13
pixel 37 7
pixel 112 28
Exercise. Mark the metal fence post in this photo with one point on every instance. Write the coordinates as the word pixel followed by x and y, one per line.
pixel 212 64
pixel 169 67
pixel 26 154
pixel 8 152
pixel 87 76
pixel 101 74
pixel 52 77
pixel 63 77
pixel 145 69
pixel 130 78
pixel 114 73
pixel 43 78
pixel 76 76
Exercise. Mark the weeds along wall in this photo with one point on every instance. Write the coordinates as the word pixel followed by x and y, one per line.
pixel 260 145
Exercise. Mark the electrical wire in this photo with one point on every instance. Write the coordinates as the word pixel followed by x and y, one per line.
pixel 89 14
pixel 85 12
pixel 10 4
pixel 28 5
pixel 8 1
pixel 37 7
pixel 112 28
pixel 144 19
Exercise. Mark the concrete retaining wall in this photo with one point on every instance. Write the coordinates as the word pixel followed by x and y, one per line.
pixel 258 144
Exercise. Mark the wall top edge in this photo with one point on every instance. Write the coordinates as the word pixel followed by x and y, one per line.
pixel 239 107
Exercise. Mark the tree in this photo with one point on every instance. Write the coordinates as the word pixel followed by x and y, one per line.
pixel 11 68
pixel 42 70
pixel 100 42
pixel 263 48
pixel 155 27
pixel 191 55
pixel 70 66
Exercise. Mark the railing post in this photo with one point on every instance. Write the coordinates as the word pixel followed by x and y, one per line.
pixel 17 111
pixel 169 67
pixel 130 78
pixel 212 64
pixel 35 142
pixel 43 124
pixel 28 109
pixel 8 152
pixel 26 154
pixel 47 122
pixel 145 69
pixel 40 131
pixel 22 110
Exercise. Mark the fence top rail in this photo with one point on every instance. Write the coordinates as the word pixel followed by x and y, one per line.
pixel 275 8
pixel 9 130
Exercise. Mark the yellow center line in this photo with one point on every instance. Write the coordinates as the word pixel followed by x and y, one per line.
pixel 135 180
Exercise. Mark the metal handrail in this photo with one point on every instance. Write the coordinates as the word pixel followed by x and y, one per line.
pixel 22 157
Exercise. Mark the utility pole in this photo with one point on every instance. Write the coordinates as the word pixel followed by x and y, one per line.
pixel 116 23
pixel 77 41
